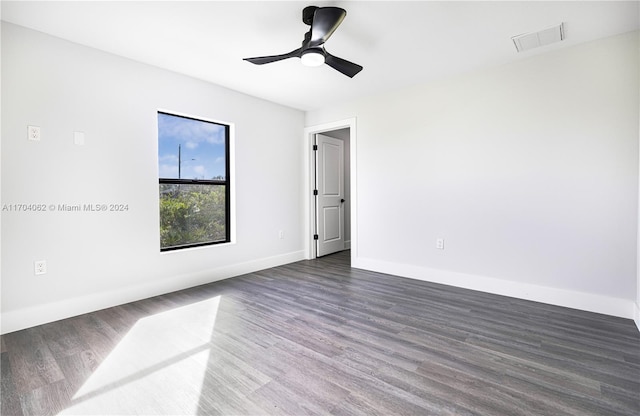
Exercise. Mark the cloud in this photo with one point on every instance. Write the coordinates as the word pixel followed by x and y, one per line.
pixel 199 170
pixel 171 158
pixel 168 171
pixel 189 130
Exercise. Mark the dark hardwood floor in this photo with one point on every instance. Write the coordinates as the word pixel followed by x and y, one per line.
pixel 317 337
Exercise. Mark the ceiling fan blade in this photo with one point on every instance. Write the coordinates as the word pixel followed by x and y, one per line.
pixel 260 60
pixel 342 65
pixel 325 21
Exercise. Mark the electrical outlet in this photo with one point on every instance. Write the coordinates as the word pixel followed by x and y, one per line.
pixel 440 243
pixel 39 267
pixel 33 133
pixel 281 234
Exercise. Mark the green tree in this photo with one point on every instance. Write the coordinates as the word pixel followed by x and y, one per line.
pixel 191 214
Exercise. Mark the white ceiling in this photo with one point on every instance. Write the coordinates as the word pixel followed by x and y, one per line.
pixel 398 43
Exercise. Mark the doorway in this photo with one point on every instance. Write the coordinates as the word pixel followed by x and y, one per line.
pixel 338 208
pixel 331 192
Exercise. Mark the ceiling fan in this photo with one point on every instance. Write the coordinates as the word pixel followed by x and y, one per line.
pixel 323 21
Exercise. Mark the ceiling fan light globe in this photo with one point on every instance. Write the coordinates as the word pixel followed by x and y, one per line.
pixel 312 58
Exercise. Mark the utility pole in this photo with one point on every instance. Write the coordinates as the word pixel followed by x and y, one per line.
pixel 180 161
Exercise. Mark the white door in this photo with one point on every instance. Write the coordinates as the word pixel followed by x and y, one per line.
pixel 330 198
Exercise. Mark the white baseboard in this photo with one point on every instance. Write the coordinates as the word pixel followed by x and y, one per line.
pixel 637 315
pixel 554 296
pixel 15 320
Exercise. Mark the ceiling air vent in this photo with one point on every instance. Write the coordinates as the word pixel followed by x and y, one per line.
pixel 543 37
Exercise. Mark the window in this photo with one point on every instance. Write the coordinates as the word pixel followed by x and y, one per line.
pixel 193 160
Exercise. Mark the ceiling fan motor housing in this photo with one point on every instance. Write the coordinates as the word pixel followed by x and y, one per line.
pixel 307 14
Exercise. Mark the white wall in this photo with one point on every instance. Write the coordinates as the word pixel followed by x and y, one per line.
pixel 97 260
pixel 529 171
pixel 637 312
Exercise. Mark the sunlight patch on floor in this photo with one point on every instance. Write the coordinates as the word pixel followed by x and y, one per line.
pixel 157 368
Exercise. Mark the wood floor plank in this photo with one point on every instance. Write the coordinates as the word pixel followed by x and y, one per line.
pixel 320 338
pixel 34 366
pixel 47 400
pixel 8 394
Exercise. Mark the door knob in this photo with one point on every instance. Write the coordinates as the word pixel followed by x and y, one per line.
pixel 342 200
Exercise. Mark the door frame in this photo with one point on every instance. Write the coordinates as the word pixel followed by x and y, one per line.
pixel 310 251
pixel 330 163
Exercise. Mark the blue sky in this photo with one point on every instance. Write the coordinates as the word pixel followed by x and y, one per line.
pixel 201 143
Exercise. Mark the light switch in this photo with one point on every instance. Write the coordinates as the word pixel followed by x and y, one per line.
pixel 78 138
